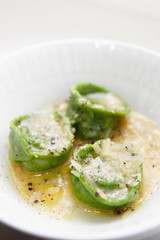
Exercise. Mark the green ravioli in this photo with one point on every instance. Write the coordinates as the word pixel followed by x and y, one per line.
pixel 95 110
pixel 41 140
pixel 106 174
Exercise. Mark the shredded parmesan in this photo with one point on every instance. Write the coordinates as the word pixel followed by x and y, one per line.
pixel 108 100
pixel 115 163
pixel 46 131
pixel 144 135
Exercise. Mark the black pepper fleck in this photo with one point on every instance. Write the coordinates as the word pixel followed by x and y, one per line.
pixel 96 194
pixel 118 212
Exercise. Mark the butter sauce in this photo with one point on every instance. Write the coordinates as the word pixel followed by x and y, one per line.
pixel 51 190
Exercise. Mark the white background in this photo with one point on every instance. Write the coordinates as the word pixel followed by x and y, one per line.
pixel 28 22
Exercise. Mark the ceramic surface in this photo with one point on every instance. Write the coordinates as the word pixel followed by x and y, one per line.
pixel 39 75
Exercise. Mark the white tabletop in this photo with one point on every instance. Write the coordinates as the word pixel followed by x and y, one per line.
pixel 28 22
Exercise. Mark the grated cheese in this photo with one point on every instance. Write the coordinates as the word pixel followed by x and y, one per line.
pixel 43 129
pixel 108 100
pixel 115 163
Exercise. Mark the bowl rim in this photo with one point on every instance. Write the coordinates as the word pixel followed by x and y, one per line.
pixel 78 41
pixel 145 230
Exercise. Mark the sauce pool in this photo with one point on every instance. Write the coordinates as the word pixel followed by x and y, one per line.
pixel 51 190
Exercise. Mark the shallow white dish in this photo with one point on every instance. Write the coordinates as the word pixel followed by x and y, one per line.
pixel 39 75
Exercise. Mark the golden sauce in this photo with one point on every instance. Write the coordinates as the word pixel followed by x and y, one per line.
pixel 51 190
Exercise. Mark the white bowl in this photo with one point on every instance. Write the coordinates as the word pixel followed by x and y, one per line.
pixel 37 76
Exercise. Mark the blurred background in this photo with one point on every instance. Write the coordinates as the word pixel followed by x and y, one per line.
pixel 28 22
